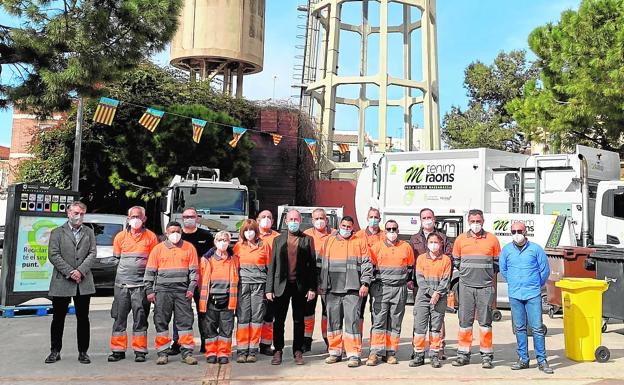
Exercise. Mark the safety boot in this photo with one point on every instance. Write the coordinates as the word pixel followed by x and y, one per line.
pixel 435 362
pixel 373 360
pixel 162 360
pixel 392 360
pixel 189 360
pixel 418 360
pixel 116 356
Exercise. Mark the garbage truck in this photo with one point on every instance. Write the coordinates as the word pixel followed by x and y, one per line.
pixel 221 205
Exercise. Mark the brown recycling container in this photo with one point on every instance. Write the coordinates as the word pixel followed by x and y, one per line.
pixel 568 262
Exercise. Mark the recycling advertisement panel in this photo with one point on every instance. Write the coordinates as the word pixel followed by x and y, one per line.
pixel 33 270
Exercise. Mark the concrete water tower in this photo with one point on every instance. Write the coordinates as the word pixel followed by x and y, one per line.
pixel 222 38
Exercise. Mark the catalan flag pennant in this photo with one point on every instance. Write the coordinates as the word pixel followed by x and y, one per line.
pixel 277 138
pixel 238 133
pixel 151 118
pixel 105 111
pixel 198 129
pixel 343 148
pixel 311 146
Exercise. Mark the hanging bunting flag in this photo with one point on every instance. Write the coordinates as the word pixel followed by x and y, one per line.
pixel 277 138
pixel 311 146
pixel 105 111
pixel 238 133
pixel 198 129
pixel 151 118
pixel 343 148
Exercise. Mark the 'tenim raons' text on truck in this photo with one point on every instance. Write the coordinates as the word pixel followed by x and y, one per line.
pixel 221 205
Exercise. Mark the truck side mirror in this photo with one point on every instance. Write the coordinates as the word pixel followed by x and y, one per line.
pixel 163 204
pixel 256 205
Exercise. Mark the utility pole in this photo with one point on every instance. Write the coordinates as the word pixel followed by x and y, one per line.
pixel 77 147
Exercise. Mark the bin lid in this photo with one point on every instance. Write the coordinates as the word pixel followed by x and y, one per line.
pixel 617 254
pixel 582 283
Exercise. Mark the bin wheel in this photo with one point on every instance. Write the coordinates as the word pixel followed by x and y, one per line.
pixel 605 321
pixel 602 354
pixel 551 312
pixel 497 315
pixel 545 329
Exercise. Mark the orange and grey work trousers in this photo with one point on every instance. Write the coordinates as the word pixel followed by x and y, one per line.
pixel 249 313
pixel 310 314
pixel 475 303
pixel 428 316
pixel 388 309
pixel 344 307
pixel 174 303
pixel 218 325
pixel 125 300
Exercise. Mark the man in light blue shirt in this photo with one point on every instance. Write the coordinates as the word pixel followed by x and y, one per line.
pixel 525 267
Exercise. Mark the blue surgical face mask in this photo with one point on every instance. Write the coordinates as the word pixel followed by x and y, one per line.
pixel 293 227
pixel 345 233
pixel 373 222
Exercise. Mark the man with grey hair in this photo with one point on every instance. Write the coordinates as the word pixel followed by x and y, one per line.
pixel 71 250
pixel 131 247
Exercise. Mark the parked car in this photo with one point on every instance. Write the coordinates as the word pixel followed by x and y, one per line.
pixel 105 226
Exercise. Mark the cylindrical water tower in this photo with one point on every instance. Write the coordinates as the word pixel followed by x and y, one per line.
pixel 220 38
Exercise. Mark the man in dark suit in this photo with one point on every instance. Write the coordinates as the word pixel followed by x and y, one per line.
pixel 72 251
pixel 291 278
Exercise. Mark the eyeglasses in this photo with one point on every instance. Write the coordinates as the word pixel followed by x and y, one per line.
pixel 392 229
pixel 517 231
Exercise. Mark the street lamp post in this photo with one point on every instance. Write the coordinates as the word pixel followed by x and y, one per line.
pixel 77 147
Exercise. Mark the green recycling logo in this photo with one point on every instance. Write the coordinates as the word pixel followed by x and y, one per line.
pixel 38 239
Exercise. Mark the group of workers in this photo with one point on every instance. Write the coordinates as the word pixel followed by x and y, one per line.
pixel 256 281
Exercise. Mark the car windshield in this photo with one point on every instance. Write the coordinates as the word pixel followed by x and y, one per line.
pixel 105 232
pixel 218 201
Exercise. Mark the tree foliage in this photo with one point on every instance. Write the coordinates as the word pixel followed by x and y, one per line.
pixel 580 98
pixel 60 48
pixel 486 122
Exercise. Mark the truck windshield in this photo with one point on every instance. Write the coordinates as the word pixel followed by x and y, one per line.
pixel 208 200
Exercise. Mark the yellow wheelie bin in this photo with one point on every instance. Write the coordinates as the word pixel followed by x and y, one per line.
pixel 582 318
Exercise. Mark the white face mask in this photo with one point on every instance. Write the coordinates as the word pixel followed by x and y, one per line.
pixel 221 245
pixel 320 224
pixel 174 237
pixel 476 227
pixel 189 222
pixel 135 223
pixel 392 236
pixel 518 238
pixel 427 224
pixel 433 247
pixel 250 235
pixel 265 223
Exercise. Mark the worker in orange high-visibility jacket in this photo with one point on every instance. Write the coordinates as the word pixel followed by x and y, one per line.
pixel 265 221
pixel 131 247
pixel 346 274
pixel 373 234
pixel 170 280
pixel 433 274
pixel 218 298
pixel 319 233
pixel 253 257
pixel 393 263
pixel 475 253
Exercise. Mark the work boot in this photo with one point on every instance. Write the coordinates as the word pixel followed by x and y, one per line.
pixel 487 363
pixel 116 356
pixel 266 350
pixel 174 350
pixel 162 360
pixel 333 359
pixel 392 360
pixel 251 358
pixel 543 366
pixel 307 344
pixel 299 358
pixel 417 360
pixel 354 362
pixel 224 360
pixel 211 359
pixel 435 362
pixel 461 360
pixel 139 357
pixel 241 358
pixel 373 360
pixel 189 360
pixel 277 358
pixel 519 365
pixel 53 357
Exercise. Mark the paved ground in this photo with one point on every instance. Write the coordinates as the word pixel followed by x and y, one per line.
pixel 25 343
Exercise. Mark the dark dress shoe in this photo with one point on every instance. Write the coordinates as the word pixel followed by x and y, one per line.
pixel 224 360
pixel 53 357
pixel 299 358
pixel 266 350
pixel 83 358
pixel 543 366
pixel 277 358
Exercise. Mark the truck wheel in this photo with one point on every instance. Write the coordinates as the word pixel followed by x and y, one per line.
pixel 545 305
pixel 545 328
pixel 497 315
pixel 602 354
pixel 551 312
pixel 605 321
